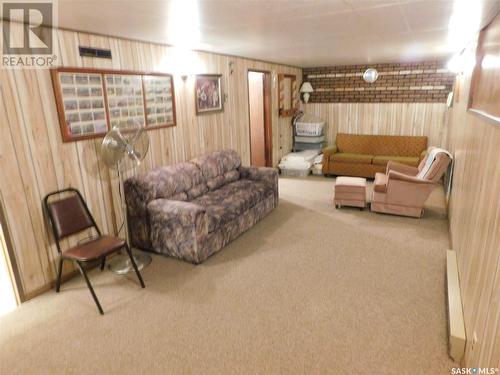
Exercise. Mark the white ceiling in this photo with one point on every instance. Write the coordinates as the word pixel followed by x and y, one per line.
pixel 301 33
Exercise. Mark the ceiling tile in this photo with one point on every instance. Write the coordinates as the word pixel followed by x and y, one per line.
pixel 299 32
pixel 429 15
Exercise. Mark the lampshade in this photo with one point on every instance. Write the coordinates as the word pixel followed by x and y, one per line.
pixel 306 87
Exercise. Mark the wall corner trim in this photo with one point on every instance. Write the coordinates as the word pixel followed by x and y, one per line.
pixel 456 325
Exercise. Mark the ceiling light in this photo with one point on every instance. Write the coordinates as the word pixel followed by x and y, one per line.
pixel 183 62
pixel 464 23
pixel 183 24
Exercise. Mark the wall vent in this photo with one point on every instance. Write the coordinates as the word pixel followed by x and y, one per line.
pixel 95 52
pixel 456 326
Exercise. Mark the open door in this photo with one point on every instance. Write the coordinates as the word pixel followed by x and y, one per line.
pixel 259 105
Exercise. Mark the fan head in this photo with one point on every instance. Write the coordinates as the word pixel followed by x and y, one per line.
pixel 124 141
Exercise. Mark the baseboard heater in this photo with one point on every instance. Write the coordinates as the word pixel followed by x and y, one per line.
pixel 456 326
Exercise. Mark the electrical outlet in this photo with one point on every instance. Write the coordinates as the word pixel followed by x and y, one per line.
pixel 474 340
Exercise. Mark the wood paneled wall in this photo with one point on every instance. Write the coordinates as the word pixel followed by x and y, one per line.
pixel 474 214
pixel 35 161
pixel 383 118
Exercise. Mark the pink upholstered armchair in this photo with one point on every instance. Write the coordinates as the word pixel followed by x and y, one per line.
pixel 401 191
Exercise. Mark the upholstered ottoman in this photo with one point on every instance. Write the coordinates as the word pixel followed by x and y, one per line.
pixel 350 191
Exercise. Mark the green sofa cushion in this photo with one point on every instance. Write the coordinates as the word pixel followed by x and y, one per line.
pixel 408 160
pixel 346 157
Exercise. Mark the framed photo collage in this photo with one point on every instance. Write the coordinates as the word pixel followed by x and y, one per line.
pixel 91 101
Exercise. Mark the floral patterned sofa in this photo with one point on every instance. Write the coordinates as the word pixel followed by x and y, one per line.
pixel 191 210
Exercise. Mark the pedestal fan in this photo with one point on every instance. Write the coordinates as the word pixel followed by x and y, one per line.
pixel 121 143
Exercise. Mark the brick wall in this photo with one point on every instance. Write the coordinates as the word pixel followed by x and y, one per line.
pixel 427 81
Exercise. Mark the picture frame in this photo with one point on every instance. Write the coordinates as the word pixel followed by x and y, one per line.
pixel 288 94
pixel 91 101
pixel 159 100
pixel 125 99
pixel 80 99
pixel 483 97
pixel 208 94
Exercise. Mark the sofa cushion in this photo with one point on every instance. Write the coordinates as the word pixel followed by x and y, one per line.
pixel 346 157
pixel 408 160
pixel 216 165
pixel 183 213
pixel 232 200
pixel 381 144
pixel 196 191
pixel 170 182
pixel 223 179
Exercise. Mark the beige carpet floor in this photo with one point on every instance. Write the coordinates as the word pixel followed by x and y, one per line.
pixel 308 290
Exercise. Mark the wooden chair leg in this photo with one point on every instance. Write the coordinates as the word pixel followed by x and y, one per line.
pixel 103 263
pixel 59 274
pixel 89 285
pixel 135 266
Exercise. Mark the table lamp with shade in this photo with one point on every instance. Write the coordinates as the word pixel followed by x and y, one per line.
pixel 306 90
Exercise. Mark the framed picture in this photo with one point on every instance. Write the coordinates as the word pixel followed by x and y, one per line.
pixel 92 101
pixel 160 105
pixel 208 94
pixel 125 100
pixel 484 95
pixel 288 94
pixel 81 106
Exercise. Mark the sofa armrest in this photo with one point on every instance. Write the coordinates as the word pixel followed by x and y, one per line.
pixel 179 229
pixel 138 193
pixel 394 175
pixel 185 213
pixel 327 152
pixel 422 156
pixel 402 168
pixel 380 182
pixel 265 174
pixel 330 150
pixel 407 191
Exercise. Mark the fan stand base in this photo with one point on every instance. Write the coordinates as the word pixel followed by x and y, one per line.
pixel 121 264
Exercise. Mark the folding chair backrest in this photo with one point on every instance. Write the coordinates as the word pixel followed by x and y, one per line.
pixel 69 215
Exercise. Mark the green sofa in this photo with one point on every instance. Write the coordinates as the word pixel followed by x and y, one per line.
pixel 364 155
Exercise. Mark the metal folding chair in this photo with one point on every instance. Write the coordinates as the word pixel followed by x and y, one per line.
pixel 70 215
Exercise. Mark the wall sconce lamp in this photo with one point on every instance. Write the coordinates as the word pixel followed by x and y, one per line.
pixel 306 90
pixel 370 75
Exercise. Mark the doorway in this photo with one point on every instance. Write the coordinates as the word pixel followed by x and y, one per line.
pixel 259 107
pixel 8 300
